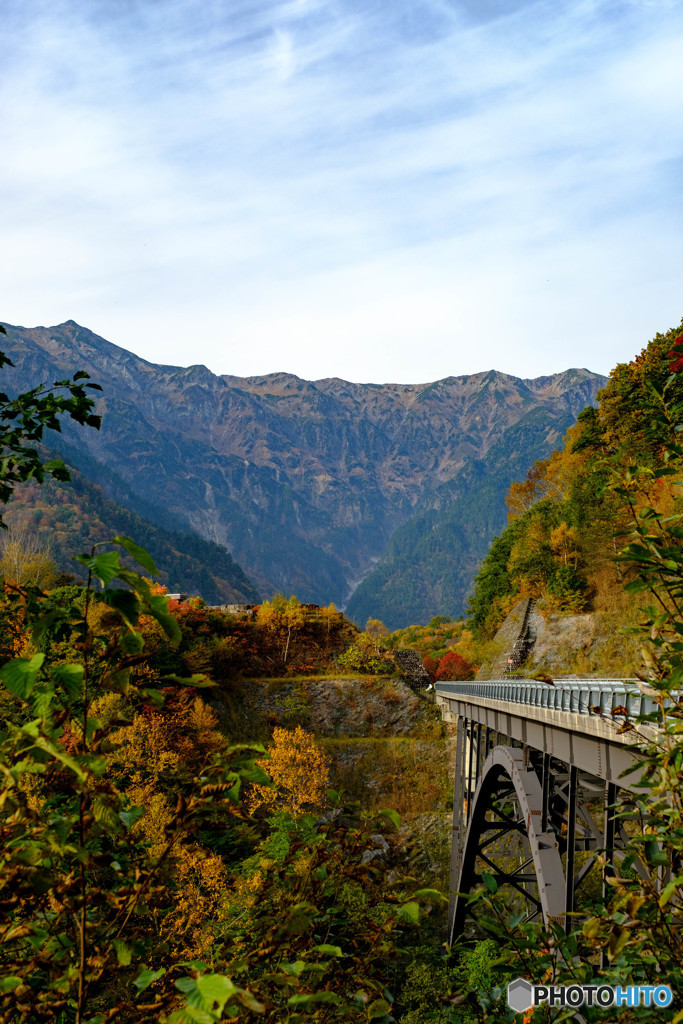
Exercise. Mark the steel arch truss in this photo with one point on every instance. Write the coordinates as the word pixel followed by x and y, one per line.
pixel 508 805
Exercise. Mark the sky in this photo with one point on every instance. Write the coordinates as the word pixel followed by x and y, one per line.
pixel 378 190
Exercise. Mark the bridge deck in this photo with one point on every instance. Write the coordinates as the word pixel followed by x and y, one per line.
pixel 559 719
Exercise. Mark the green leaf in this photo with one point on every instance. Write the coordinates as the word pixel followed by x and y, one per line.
pixel 655 855
pixel 489 881
pixel 123 952
pixel 9 983
pixel 41 701
pixel 198 1015
pixel 130 816
pixel 104 813
pixel 156 697
pixel 132 643
pixel 393 817
pixel 56 751
pixel 328 950
pixel 314 997
pixel 430 894
pixel 669 889
pixel 19 675
pixel 158 608
pixel 125 602
pixel 70 678
pixel 295 969
pixel 216 988
pixel 141 556
pixel 410 912
pixel 186 984
pixel 636 586
pixel 378 1009
pixel 146 978
pixel 105 566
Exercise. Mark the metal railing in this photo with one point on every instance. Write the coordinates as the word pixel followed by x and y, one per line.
pixel 580 696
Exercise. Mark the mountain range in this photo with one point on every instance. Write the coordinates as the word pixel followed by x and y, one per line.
pixel 380 497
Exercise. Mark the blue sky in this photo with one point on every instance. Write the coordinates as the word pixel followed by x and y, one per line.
pixel 379 190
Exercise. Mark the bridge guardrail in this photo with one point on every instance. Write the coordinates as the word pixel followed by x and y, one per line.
pixel 579 696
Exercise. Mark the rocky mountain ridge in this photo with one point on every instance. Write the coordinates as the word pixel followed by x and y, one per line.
pixel 305 482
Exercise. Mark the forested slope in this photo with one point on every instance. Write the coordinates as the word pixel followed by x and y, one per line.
pixel 564 518
pixel 430 561
pixel 72 516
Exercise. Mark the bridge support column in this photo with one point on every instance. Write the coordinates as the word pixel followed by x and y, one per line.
pixel 459 819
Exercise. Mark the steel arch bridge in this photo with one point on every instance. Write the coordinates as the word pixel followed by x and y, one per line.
pixel 537 770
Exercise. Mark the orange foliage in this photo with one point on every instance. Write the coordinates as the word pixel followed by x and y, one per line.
pixel 453 666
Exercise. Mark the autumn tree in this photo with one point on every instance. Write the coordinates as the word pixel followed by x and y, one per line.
pixel 282 619
pixel 454 667
pixel 564 544
pixel 330 616
pixel 25 559
pixel 540 483
pixel 300 771
pixel 376 629
pixel 431 666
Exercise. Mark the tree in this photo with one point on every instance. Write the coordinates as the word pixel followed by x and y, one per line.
pixel 25 559
pixel 363 656
pixel 282 618
pixel 431 666
pixel 330 616
pixel 24 420
pixel 540 483
pixel 454 667
pixel 376 629
pixel 300 770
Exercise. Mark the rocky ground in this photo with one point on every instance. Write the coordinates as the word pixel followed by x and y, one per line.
pixel 590 645
pixel 329 707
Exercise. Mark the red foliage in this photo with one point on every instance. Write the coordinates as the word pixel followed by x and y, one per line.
pixel 454 667
pixel 431 665
pixel 675 356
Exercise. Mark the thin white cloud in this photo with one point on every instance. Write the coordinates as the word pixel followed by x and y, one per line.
pixel 345 187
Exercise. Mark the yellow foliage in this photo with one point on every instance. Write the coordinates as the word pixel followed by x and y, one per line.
pixel 153 749
pixel 542 481
pixel 564 542
pixel 283 619
pixel 300 770
pixel 143 750
pixel 25 559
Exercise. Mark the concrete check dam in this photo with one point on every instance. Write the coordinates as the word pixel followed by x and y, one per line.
pixel 538 769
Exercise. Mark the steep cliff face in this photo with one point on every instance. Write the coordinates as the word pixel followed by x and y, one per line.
pixel 305 482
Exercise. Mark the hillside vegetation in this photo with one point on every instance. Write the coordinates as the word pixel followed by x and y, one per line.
pixel 563 539
pixel 70 516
